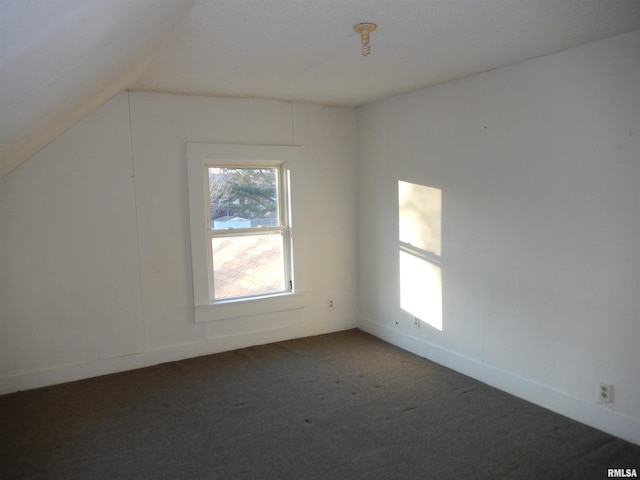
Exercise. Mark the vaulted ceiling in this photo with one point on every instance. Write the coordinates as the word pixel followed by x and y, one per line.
pixel 61 59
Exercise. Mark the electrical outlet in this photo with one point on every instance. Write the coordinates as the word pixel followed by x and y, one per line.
pixel 330 303
pixel 605 394
pixel 416 322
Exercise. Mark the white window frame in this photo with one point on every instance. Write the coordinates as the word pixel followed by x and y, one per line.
pixel 282 229
pixel 200 156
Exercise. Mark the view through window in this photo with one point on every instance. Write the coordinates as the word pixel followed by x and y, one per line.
pixel 247 231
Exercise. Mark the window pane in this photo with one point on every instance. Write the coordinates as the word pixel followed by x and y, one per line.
pixel 243 197
pixel 247 265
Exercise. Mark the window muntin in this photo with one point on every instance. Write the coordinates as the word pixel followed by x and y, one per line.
pixel 247 234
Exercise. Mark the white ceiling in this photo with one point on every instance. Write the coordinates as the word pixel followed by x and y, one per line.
pixel 60 59
pixel 307 50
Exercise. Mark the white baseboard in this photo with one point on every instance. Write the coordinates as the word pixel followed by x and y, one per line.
pixel 70 373
pixel 593 415
pixel 577 409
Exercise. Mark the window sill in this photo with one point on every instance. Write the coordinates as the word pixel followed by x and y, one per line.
pixel 248 306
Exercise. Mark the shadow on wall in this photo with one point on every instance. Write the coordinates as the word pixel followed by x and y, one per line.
pixel 420 247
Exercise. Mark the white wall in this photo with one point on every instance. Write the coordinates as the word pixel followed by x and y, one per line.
pixel 95 248
pixel 539 166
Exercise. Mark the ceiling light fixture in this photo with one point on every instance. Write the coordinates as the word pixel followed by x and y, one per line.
pixel 364 29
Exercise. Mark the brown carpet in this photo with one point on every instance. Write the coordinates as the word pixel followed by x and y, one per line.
pixel 338 406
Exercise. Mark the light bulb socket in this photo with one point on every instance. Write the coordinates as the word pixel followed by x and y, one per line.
pixel 364 29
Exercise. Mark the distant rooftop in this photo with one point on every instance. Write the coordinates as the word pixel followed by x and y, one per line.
pixel 247 265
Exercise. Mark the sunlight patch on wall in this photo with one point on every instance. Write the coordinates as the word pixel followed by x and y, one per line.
pixel 420 245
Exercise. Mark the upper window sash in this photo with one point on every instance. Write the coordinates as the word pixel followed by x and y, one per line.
pixel 252 195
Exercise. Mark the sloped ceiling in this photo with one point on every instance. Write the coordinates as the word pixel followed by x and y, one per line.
pixel 60 59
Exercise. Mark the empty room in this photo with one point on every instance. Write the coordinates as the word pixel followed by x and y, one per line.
pixel 342 239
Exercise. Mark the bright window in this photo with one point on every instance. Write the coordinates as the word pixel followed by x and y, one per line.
pixel 241 235
pixel 248 231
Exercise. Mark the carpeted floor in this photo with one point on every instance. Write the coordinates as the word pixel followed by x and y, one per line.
pixel 338 406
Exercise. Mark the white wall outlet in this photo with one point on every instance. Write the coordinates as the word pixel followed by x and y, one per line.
pixel 605 394
pixel 416 322
pixel 330 303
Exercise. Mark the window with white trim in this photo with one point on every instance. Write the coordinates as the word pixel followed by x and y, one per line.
pixel 248 232
pixel 239 207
